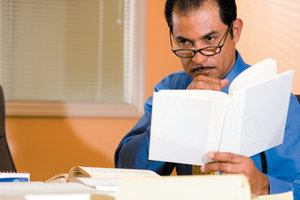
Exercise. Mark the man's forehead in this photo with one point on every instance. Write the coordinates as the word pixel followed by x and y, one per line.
pixel 203 21
pixel 188 9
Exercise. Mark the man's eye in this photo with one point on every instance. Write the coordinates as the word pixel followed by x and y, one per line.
pixel 209 38
pixel 185 44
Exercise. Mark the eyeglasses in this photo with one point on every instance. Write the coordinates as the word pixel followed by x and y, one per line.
pixel 207 51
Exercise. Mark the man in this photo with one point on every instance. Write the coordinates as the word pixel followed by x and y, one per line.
pixel 203 33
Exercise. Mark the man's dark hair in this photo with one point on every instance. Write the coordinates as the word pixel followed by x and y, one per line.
pixel 227 9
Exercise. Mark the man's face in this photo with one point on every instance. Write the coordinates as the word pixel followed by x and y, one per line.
pixel 202 28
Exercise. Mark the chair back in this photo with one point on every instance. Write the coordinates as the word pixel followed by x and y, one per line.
pixel 6 161
pixel 298 96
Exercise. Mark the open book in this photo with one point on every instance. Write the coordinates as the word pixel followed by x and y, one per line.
pixel 99 172
pixel 251 118
pixel 102 179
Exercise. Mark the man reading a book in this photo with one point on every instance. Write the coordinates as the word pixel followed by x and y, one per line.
pixel 203 34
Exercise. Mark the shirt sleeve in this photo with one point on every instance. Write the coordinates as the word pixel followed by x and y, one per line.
pixel 132 151
pixel 285 160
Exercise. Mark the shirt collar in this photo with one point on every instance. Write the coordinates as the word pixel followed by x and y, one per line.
pixel 237 68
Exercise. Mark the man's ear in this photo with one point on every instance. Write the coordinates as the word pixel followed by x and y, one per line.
pixel 237 29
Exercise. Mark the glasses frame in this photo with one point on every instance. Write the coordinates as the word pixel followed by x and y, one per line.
pixel 219 46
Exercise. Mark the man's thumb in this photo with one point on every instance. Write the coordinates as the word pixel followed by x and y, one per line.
pixel 224 82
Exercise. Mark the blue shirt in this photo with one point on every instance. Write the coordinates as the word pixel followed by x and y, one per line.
pixel 283 161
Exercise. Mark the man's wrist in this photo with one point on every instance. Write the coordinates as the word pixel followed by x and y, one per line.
pixel 265 187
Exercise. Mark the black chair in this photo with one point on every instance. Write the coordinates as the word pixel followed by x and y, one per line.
pixel 298 96
pixel 6 161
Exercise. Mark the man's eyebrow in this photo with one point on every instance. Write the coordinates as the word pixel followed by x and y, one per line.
pixel 183 38
pixel 209 34
pixel 203 37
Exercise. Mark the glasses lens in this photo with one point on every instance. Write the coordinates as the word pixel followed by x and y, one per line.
pixel 184 53
pixel 209 51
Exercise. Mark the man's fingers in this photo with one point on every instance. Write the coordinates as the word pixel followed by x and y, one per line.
pixel 205 83
pixel 226 157
pixel 225 162
pixel 224 168
pixel 224 82
pixel 208 83
pixel 228 163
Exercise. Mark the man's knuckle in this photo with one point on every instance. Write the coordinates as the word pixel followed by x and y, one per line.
pixel 245 171
pixel 229 168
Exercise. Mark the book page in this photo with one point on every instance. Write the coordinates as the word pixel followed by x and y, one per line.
pixel 104 184
pixel 231 137
pixel 232 187
pixel 265 112
pixel 259 116
pixel 199 94
pixel 59 178
pixel 78 171
pixel 255 74
pixel 109 172
pixel 184 129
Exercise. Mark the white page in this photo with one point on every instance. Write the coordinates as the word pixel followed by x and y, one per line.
pixel 42 188
pixel 260 117
pixel 255 74
pixel 231 137
pixel 180 131
pixel 104 184
pixel 58 197
pixel 198 94
pixel 264 130
pixel 115 172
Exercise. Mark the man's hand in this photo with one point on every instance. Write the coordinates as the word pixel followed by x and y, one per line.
pixel 229 163
pixel 208 83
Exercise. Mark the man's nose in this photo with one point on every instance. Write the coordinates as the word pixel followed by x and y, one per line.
pixel 199 58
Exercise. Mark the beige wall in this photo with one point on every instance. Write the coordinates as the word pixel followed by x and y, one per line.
pixel 48 146
pixel 271 29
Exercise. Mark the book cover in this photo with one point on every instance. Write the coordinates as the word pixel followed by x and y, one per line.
pixel 14 177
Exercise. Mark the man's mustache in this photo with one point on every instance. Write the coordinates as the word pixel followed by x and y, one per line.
pixel 201 68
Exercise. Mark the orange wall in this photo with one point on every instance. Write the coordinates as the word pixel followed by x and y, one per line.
pixel 48 146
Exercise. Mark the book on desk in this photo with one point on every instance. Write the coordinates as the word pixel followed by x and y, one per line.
pixel 14 177
pixel 99 172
